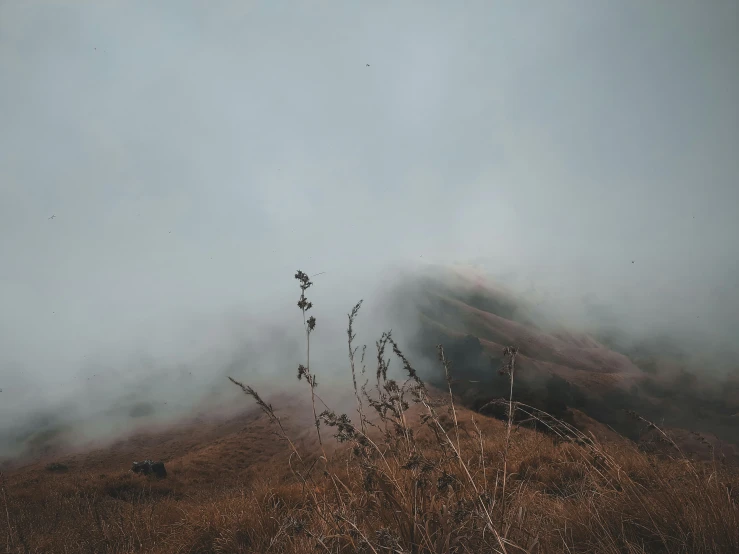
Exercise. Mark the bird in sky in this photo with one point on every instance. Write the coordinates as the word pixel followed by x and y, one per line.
pixel 52 217
pixel 367 65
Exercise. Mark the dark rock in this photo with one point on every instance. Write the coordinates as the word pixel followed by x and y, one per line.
pixel 148 467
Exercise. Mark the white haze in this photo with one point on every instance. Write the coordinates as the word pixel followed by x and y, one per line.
pixel 195 154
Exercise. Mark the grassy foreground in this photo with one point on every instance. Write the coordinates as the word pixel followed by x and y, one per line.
pixel 407 471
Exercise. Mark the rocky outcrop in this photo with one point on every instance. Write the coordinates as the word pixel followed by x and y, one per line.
pixel 148 467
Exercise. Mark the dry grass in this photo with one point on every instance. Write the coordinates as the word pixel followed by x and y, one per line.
pixel 409 472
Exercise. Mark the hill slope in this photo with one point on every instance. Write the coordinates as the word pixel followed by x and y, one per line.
pixel 232 486
pixel 558 369
pixel 412 471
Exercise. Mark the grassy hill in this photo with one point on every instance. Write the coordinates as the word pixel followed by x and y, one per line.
pixel 560 369
pixel 394 464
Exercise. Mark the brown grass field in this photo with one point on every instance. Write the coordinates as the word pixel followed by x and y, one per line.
pixel 407 469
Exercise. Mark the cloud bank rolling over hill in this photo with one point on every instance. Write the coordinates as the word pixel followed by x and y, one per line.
pixel 193 158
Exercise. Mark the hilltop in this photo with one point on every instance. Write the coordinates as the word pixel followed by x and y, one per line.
pixel 560 369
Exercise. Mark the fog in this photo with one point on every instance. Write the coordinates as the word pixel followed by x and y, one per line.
pixel 166 167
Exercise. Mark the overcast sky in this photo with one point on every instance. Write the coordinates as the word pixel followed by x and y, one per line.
pixel 195 154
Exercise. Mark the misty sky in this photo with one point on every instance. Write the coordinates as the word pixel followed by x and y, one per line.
pixel 195 154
